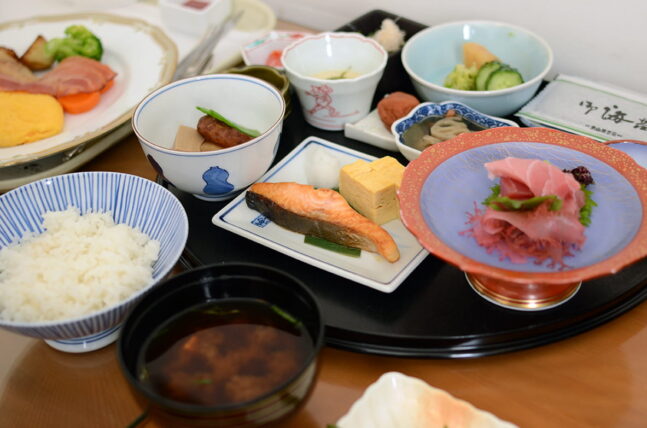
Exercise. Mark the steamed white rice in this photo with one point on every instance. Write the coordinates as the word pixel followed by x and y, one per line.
pixel 78 265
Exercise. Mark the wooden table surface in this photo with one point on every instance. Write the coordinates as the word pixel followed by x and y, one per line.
pixel 595 379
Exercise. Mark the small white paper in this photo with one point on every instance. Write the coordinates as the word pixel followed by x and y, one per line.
pixel 580 106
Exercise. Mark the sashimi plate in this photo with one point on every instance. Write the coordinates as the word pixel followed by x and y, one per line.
pixel 448 180
pixel 369 269
pixel 143 57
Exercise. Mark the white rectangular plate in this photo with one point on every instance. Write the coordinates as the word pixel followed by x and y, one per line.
pixel 371 130
pixel 369 269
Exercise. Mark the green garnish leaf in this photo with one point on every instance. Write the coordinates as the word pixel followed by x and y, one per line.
pixel 342 75
pixel 219 311
pixel 285 315
pixel 247 131
pixel 332 246
pixel 203 381
pixel 503 203
pixel 587 208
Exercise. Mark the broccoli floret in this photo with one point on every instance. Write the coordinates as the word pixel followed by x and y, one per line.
pixel 79 41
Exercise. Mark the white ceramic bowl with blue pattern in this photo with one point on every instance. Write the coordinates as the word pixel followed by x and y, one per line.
pixel 132 200
pixel 213 175
pixel 430 55
pixel 428 110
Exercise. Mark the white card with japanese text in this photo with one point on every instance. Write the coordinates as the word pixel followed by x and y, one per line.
pixel 580 106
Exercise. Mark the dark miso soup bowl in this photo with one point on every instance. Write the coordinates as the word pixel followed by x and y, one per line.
pixel 211 284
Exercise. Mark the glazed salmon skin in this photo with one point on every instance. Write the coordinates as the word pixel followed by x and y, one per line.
pixel 320 212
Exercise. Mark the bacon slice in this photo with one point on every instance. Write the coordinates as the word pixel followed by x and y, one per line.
pixel 15 76
pixel 73 75
pixel 9 83
pixel 77 74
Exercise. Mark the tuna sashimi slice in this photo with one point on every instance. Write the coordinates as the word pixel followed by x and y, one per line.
pixel 540 178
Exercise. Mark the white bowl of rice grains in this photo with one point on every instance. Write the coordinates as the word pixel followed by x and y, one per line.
pixel 77 251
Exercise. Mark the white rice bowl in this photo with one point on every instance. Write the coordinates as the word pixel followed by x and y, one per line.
pixel 134 203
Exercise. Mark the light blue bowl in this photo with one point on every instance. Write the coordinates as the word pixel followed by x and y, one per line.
pixel 132 200
pixel 429 109
pixel 430 55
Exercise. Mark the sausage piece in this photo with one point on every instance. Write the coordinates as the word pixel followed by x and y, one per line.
pixel 220 133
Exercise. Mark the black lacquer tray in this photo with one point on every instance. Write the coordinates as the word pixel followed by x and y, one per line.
pixel 434 312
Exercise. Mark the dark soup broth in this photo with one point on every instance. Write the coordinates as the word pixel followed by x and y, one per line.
pixel 224 352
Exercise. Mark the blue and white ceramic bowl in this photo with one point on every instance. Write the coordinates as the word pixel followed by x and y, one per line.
pixel 429 109
pixel 214 175
pixel 132 200
pixel 430 55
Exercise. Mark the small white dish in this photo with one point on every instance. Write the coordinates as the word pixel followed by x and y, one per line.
pixel 193 16
pixel 267 50
pixel 370 269
pixel 399 401
pixel 371 130
pixel 335 76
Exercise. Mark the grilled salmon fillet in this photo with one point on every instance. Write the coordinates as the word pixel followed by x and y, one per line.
pixel 320 212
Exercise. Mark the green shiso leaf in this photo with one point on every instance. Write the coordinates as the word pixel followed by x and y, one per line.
pixel 247 131
pixel 332 246
pixel 503 203
pixel 589 203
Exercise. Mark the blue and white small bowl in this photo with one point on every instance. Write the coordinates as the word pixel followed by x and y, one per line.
pixel 429 109
pixel 132 200
pixel 214 175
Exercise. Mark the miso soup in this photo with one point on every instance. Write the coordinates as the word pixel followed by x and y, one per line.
pixel 224 352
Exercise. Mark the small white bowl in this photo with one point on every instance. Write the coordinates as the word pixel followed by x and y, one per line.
pixel 329 104
pixel 187 17
pixel 268 49
pixel 431 54
pixel 428 109
pixel 213 175
pixel 132 200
